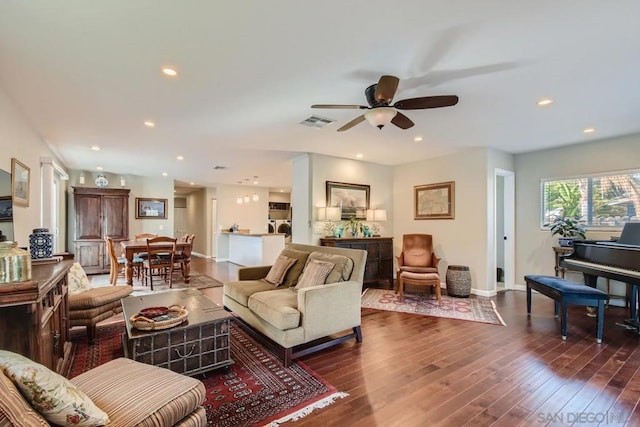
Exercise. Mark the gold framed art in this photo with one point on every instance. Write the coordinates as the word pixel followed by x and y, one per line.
pixel 434 201
pixel 151 208
pixel 353 199
pixel 20 177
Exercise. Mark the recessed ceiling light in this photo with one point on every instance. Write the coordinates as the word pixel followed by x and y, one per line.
pixel 588 130
pixel 417 139
pixel 165 174
pixel 255 182
pixel 169 71
pixel 192 183
pixel 544 102
pixel 95 148
pixel 99 168
pixel 180 157
pixel 359 155
pixel 282 191
pixel 149 124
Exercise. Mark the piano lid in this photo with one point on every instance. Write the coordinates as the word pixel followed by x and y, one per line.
pixel 630 236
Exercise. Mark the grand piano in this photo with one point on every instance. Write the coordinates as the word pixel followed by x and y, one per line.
pixel 617 260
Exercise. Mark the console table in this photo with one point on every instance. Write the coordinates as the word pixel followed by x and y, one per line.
pixel 379 267
pixel 34 316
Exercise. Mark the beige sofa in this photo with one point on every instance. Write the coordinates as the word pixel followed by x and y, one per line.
pixel 130 393
pixel 300 321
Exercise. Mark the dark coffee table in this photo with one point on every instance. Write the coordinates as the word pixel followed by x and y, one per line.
pixel 200 344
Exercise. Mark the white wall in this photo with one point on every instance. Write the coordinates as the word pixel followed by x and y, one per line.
pixel 19 140
pixel 534 254
pixel 459 241
pixel 301 194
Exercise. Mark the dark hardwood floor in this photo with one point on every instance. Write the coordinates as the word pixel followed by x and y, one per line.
pixel 413 370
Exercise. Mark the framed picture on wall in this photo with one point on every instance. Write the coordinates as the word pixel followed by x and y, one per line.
pixel 151 208
pixel 434 201
pixel 353 199
pixel 6 209
pixel 20 175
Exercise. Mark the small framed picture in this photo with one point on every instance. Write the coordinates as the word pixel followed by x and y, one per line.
pixel 151 208
pixel 20 175
pixel 434 201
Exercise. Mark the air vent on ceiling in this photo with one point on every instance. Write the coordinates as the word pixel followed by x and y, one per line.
pixel 316 121
pixel 219 168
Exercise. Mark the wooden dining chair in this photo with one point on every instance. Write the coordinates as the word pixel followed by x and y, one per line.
pixel 160 260
pixel 181 256
pixel 143 236
pixel 118 263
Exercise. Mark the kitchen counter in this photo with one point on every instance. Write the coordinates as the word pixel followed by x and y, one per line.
pixel 251 249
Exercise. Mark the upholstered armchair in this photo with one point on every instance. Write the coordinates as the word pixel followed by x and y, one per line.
pixel 417 254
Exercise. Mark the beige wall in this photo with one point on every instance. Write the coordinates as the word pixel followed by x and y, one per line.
pixel 459 241
pixel 19 140
pixel 533 245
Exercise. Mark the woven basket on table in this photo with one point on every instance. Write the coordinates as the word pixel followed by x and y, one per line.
pixel 177 313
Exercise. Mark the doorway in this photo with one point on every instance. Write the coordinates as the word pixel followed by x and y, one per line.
pixel 504 226
pixel 214 227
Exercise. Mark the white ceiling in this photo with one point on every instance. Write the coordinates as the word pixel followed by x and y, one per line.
pixel 88 73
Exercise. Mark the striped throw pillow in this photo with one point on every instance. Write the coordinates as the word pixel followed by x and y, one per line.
pixel 315 273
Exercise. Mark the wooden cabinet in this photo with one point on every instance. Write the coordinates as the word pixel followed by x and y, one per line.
pixel 34 316
pixel 100 212
pixel 379 267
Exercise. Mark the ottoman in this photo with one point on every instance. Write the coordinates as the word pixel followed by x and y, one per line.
pixel 419 279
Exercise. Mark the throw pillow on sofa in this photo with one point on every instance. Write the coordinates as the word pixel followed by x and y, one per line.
pixel 279 269
pixel 14 408
pixel 315 273
pixel 343 265
pixel 52 395
pixel 78 280
pixel 291 278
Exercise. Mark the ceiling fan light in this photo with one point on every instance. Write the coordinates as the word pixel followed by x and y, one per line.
pixel 380 116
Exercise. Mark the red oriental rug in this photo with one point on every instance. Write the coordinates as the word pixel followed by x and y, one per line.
pixel 256 390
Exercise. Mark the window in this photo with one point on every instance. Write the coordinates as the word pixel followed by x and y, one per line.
pixel 598 201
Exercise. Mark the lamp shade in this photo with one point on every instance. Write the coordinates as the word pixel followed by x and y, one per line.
pixel 334 213
pixel 380 116
pixel 322 214
pixel 376 214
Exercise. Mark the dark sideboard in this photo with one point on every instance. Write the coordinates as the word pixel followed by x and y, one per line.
pixel 379 267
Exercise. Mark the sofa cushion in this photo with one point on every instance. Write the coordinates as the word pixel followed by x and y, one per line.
pixel 315 273
pixel 276 273
pixel 291 278
pixel 77 278
pixel 15 409
pixel 52 395
pixel 343 265
pixel 137 394
pixel 98 297
pixel 240 291
pixel 278 307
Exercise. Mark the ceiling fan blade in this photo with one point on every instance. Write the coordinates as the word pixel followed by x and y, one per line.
pixel 337 106
pixel 386 88
pixel 352 123
pixel 426 102
pixel 402 121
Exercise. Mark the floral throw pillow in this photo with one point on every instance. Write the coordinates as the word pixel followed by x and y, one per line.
pixel 53 396
pixel 315 273
pixel 78 280
pixel 279 269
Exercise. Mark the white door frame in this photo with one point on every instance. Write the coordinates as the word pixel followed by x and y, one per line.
pixel 509 228
pixel 214 228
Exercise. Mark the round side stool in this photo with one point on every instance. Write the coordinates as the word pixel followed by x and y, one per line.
pixel 458 281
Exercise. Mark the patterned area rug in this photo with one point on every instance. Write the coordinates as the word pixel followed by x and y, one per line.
pixel 255 390
pixel 197 281
pixel 472 308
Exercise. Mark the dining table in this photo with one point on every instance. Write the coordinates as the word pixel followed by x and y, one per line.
pixel 132 247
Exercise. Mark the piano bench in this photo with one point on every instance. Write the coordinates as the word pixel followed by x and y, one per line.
pixel 565 293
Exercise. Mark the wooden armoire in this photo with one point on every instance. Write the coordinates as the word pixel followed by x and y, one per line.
pixel 100 212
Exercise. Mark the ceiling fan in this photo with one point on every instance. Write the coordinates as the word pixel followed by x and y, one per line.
pixel 380 113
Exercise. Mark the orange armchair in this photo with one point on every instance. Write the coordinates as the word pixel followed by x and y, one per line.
pixel 417 254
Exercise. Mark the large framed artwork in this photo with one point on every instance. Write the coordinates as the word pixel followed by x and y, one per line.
pixel 6 209
pixel 151 208
pixel 20 175
pixel 352 199
pixel 434 201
